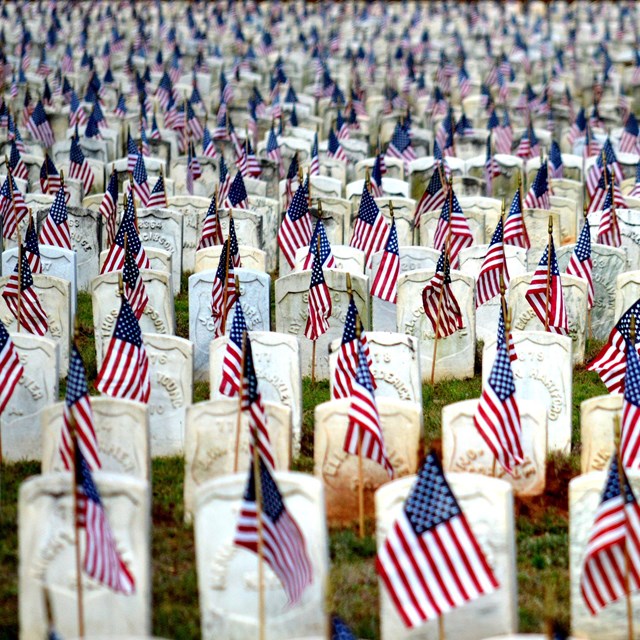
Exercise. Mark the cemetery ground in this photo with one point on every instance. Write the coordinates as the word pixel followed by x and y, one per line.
pixel 541 522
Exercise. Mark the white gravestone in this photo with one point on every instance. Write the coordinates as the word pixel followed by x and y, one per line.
pixel 194 210
pixel 292 307
pixel 585 493
pixel 268 208
pixel 574 291
pixel 55 298
pixel 171 372
pixel 47 556
pixel 429 224
pixel 158 317
pixel 122 430
pixel 456 353
pixel 537 222
pixel 411 258
pixel 629 226
pixel 346 258
pixel 276 358
pixel 627 292
pixel 247 223
pixel 250 257
pixel 228 575
pixel 158 259
pixel 608 264
pixel 55 261
pixel 536 380
pixel 464 449
pixel 395 365
pixel 36 390
pixel 210 442
pixel 404 212
pixel 254 299
pixel 488 506
pixel 597 416
pixel 401 424
pixel 162 229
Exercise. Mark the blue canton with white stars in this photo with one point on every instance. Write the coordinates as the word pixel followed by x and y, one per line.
pixel 325 247
pixel 435 184
pixel 497 234
pixel 554 263
pixel 27 278
pixel 392 241
pixel 333 142
pixel 501 377
pixel 555 157
pixel 624 324
pixel 363 374
pixel 250 382
pixel 400 138
pixel 516 206
pixel 238 326
pixel 221 273
pixel 31 240
pixel 349 333
pixel 237 193
pixel 75 155
pixel 76 378
pixel 444 267
pixel 317 275
pixel 140 171
pixel 368 208
pixel 127 327
pixel 128 226
pixel 58 209
pixel 632 377
pixel 272 504
pixel 272 142
pixel 85 480
pixel 130 271
pixel 583 248
pixel 612 487
pixel 540 184
pixel 4 336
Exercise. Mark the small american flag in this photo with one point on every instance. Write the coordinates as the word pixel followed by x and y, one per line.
pixel 18 167
pixel 515 230
pixel 385 284
pixel 630 138
pixel 39 127
pixel 12 206
pixel 635 192
pixel 77 115
pixel 77 410
pixel 134 288
pixel 453 230
pixel 504 135
pixel 79 168
pixel 629 440
pixel 379 169
pixel 556 168
pixel 284 546
pixel 238 197
pixel 440 305
pixel 334 148
pixel 538 195
pixel 109 207
pixel 31 248
pixel 494 265
pixel 370 231
pixel 132 153
pixel 232 362
pixel 121 110
pixel 319 241
pixel 32 316
pixel 614 541
pixel 102 561
pixel 314 167
pixel 55 229
pixel 364 434
pixel 497 417
pixel 551 312
pixel 49 176
pixel 580 264
pixel 224 181
pixel 158 196
pixel 491 167
pixel 140 181
pixel 11 369
pixel 125 369
pixel 208 146
pixel 432 199
pixel 432 531
pixel 400 146
pixel 211 229
pixel 319 304
pixel 295 230
pixel 223 291
pixel 273 151
pixel 609 230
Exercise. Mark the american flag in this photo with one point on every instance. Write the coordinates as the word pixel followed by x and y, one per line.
pixel 283 544
pixel 319 309
pixel 31 316
pixel 132 153
pixel 452 231
pixel 400 146
pixel 13 134
pixel 630 138
pixel 11 369
pixel 385 284
pixel 208 146
pixel 125 369
pixel 431 562
pixel 55 228
pixel 555 166
pixel 364 434
pixel 211 229
pixel 195 126
pixel 251 166
pixel 226 90
pixel 158 196
pixel 591 147
pixel 609 230
pixel 77 116
pixel 497 417
pixel 635 192
pixel 18 167
pixel 433 197
pixel 238 197
pixel 348 355
pixel 546 282
pixel 224 181
pixel 370 231
pixel 439 303
pixel 79 168
pixel 109 207
pixel 606 157
pixel 140 181
pixel 12 206
pixel 379 169
pixel 464 83
pixel 613 547
pixel 464 126
pixel 102 561
pixel 538 195
pixel 611 362
pixel 232 363
pixel 144 141
pixel 342 127
pixel 78 416
pixel 39 127
pixel 319 241
pixel 515 230
pixel 629 441
pixel 493 266
pixel 164 91
pixel 223 291
pixel 121 110
pixel 491 167
pixel 92 130
pixel 273 151
pixel 580 264
pixel 295 230
pixel 134 288
pixel 334 148
pixel 314 166
pixel 504 135
pixel 31 248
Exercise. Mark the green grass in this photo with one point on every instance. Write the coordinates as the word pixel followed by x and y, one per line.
pixel 541 523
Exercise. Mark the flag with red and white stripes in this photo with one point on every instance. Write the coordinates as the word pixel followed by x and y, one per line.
pixel 141 181
pixel 629 433
pixel 55 228
pixel 433 197
pixel 319 247
pixel 79 168
pixel 494 265
pixel 223 291
pixel 439 303
pixel 295 230
pixel 232 362
pixel 109 208
pixel 385 284
pixel 158 195
pixel 12 206
pixel 515 229
pixel 134 288
pixel 370 231
pixel 580 264
pixel 452 231
pixel 319 309
pixel 11 369
pixel 211 228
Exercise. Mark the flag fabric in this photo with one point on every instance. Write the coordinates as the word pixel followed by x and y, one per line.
pixel 370 231
pixel 158 196
pixel 400 146
pixel 140 181
pixel 439 303
pixel 232 362
pixel 125 368
pixel 18 167
pixel 238 197
pixel 551 310
pixel 32 248
pixel 109 208
pixel 609 230
pixel 55 228
pixel 494 265
pixel 319 241
pixel 339 630
pixel 284 546
pixel 49 176
pixel 319 309
pixel 211 228
pixel 132 153
pixel 611 362
pixel 314 166
pixel 538 195
pixel 515 229
pixel 580 264
pixel 431 561
pixel 491 167
pixel 630 433
pixel 555 166
pixel 39 127
pixel 295 230
pixel 385 284
pixel 79 168
pixel 11 369
pixel 614 539
pixel 376 176
pixel 32 316
pixel 347 360
pixel 273 151
pixel 635 192
pixel 12 206
pixel 630 137
pixel 134 288
pixel 432 199
pixel 102 562
pixel 497 417
pixel 77 410
pixel 364 434
pixel 452 231
pixel 334 148
pixel 223 291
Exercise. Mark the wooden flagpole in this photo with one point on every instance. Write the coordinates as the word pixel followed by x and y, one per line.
pixel 239 416
pixel 19 277
pixel 549 258
pixel 258 491
pixel 74 488
pixel 313 347
pixel 360 471
pixel 441 633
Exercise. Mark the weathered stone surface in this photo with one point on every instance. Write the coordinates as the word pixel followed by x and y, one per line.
pixel 597 417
